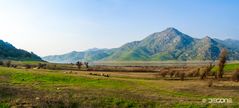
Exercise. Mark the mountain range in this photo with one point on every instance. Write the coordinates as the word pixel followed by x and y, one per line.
pixel 170 44
pixel 9 52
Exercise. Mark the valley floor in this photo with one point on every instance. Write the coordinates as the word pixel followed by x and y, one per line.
pixel 58 88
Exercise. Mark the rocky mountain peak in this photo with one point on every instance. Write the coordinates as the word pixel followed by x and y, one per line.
pixel 209 40
pixel 171 29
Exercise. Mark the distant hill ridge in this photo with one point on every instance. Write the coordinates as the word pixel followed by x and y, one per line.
pixel 9 52
pixel 170 44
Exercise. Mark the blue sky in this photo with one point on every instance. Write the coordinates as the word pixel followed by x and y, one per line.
pixel 49 27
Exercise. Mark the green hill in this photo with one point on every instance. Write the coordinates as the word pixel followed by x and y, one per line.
pixel 9 52
pixel 169 44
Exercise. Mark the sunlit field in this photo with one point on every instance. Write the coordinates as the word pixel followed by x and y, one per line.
pixel 33 87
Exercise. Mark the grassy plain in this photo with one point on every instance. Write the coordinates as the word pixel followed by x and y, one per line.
pixel 69 88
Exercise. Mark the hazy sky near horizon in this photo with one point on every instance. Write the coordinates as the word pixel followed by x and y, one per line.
pixel 49 27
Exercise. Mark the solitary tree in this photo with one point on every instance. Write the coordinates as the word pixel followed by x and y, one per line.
pixel 86 64
pixel 79 64
pixel 222 61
